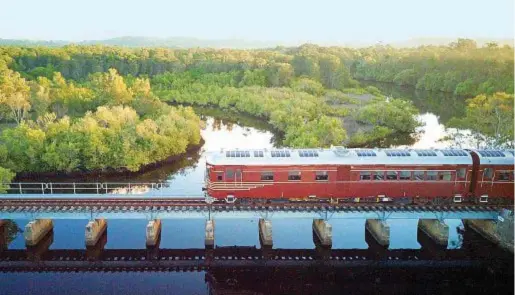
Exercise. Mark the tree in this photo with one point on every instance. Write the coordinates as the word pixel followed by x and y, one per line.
pixel 112 88
pixel 490 119
pixel 14 94
pixel 280 74
pixel 329 66
pixel 6 176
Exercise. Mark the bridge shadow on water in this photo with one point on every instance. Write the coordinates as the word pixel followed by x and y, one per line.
pixel 432 269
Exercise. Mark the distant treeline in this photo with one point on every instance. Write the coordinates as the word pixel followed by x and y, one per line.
pixel 461 68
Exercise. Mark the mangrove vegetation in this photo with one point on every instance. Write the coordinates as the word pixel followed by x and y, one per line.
pixel 98 108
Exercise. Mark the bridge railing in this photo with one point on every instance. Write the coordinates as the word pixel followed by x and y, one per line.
pixel 100 188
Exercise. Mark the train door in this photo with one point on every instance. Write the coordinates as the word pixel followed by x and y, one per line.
pixel 234 175
pixel 238 176
pixel 342 181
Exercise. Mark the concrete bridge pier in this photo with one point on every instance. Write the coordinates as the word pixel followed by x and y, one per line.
pixel 322 233
pixel 265 233
pixel 36 230
pixel 498 232
pixel 435 229
pixel 209 240
pixel 94 230
pixel 153 233
pixel 34 252
pixel 209 255
pixel 379 230
pixel 94 252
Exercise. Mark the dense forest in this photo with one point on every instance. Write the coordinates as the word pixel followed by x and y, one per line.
pixel 83 108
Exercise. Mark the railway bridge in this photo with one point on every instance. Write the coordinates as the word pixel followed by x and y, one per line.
pixel 43 202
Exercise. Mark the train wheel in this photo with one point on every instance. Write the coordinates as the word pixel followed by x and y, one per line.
pixel 421 200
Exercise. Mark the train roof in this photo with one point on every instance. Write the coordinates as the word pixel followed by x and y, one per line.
pixel 342 156
pixel 495 157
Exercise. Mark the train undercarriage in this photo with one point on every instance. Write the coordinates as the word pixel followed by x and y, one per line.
pixel 417 200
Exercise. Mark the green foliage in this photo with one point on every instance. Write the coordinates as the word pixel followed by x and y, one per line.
pixel 6 176
pixel 387 116
pixel 128 129
pixel 308 85
pixel 490 119
pixel 111 137
pixel 458 68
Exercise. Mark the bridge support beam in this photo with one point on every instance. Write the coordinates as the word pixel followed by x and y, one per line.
pixel 435 229
pixel 265 233
pixel 209 240
pixel 153 233
pixel 380 230
pixel 94 230
pixel 323 232
pixel 37 230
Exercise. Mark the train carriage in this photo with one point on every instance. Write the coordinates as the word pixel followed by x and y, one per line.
pixel 339 174
pixel 493 176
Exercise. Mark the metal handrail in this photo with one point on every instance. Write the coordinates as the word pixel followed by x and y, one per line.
pixel 89 187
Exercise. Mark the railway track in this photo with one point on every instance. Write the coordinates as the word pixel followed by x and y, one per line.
pixel 192 204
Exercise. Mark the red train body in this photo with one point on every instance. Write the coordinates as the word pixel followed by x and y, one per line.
pixel 358 175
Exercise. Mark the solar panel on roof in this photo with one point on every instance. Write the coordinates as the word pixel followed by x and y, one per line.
pixel 366 153
pixel 491 153
pixel 397 153
pixel 426 153
pixel 280 154
pixel 308 153
pixel 237 154
pixel 258 154
pixel 454 153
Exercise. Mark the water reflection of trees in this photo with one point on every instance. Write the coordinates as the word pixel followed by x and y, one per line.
pixel 444 105
pixel 393 140
pixel 227 119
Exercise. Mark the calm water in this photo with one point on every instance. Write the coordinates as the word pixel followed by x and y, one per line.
pixel 436 109
pixel 185 177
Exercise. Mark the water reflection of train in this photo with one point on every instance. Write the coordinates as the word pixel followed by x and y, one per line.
pixel 435 176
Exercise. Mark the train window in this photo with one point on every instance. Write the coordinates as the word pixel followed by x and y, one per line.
pixel 405 175
pixel 365 175
pixel 267 176
pixel 488 173
pixel 321 175
pixel 418 175
pixel 219 176
pixel 432 175
pixel 294 175
pixel 503 176
pixel 445 175
pixel 229 173
pixel 461 173
pixel 391 175
pixel 379 175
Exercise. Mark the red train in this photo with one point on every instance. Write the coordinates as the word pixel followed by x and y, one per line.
pixel 362 175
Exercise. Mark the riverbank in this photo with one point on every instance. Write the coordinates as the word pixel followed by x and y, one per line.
pixel 167 166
